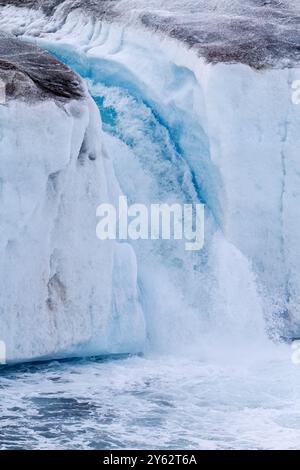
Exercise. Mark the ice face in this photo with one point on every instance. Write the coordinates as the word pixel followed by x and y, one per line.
pixel 56 289
pixel 179 129
pixel 255 32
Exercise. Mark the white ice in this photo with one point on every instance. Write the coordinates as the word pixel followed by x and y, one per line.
pixel 231 134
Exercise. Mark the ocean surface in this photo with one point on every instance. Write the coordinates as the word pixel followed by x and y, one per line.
pixel 150 402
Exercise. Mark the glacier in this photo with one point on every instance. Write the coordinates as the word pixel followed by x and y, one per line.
pixel 205 123
pixel 56 284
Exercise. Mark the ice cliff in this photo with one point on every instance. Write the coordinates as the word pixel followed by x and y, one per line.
pixel 196 99
pixel 56 290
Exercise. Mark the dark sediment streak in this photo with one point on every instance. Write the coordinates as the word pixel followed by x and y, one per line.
pixel 31 73
pixel 259 33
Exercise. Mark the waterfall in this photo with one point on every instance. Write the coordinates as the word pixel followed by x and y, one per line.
pixel 177 129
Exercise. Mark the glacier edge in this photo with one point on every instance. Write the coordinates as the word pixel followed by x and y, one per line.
pixel 242 123
pixel 56 292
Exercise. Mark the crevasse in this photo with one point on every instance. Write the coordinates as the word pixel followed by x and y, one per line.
pixel 178 129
